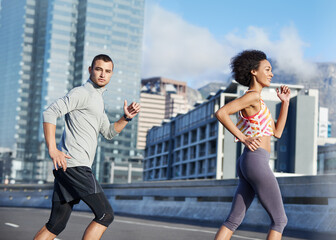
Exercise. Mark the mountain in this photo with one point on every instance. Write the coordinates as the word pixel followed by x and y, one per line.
pixel 193 96
pixel 211 87
pixel 325 82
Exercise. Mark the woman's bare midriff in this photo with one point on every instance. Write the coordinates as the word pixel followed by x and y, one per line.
pixel 266 143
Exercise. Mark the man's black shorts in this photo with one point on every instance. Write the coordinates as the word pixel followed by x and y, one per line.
pixel 74 183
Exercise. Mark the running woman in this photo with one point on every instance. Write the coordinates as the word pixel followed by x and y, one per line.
pixel 254 129
pixel 85 119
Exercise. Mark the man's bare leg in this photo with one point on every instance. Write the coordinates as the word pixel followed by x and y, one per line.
pixel 44 234
pixel 94 231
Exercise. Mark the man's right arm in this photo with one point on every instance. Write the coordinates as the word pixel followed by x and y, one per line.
pixel 71 101
pixel 58 157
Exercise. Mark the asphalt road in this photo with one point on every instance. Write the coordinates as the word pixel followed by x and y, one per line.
pixel 23 223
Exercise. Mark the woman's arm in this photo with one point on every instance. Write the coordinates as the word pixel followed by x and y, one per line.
pixel 284 95
pixel 223 115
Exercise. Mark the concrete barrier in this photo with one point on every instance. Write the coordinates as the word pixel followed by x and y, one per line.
pixel 310 201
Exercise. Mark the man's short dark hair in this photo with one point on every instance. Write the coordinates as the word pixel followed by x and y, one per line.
pixel 103 57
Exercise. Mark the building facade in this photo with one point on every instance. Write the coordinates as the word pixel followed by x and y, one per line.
pixel 152 114
pixel 6 162
pixel 196 146
pixel 327 159
pixel 160 98
pixel 47 47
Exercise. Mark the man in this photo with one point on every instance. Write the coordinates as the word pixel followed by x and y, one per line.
pixel 85 118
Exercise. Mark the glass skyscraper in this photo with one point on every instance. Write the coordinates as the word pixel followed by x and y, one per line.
pixel 46 48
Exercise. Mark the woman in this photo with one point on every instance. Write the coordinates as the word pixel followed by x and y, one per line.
pixel 254 129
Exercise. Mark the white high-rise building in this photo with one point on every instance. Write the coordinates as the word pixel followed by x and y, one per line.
pixel 160 98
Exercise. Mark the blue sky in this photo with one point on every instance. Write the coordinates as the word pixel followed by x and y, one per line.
pixel 315 20
pixel 194 40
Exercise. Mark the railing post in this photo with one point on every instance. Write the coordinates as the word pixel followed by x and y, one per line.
pixel 112 173
pixel 129 180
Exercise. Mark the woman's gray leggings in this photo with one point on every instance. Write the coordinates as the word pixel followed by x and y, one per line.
pixel 256 177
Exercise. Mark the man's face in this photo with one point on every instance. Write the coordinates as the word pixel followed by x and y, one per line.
pixel 101 72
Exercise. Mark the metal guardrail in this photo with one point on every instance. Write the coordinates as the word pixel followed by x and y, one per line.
pixel 310 201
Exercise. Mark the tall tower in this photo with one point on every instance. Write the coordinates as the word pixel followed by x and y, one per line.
pixel 22 40
pixel 46 48
pixel 114 28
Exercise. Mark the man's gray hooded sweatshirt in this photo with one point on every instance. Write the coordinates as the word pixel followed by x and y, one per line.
pixel 85 118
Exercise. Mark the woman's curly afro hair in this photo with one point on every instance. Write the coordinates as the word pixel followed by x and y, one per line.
pixel 243 63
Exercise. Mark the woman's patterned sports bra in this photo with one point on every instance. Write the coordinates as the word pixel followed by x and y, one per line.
pixel 257 125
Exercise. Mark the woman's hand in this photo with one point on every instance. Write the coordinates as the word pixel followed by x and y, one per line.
pixel 283 93
pixel 252 143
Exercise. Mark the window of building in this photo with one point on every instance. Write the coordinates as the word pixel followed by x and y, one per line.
pixel 184 170
pixel 193 152
pixel 177 157
pixel 178 141
pixel 166 146
pixel 158 162
pixel 106 170
pixel 213 129
pixel 176 171
pixel 212 147
pixel 152 150
pixel 164 160
pixel 212 165
pixel 202 133
pixel 164 173
pixel 185 139
pixel 201 167
pixel 202 150
pixel 159 148
pixel 157 173
pixel 194 136
pixel 146 163
pixel 185 154
pixel 151 174
pixel 192 168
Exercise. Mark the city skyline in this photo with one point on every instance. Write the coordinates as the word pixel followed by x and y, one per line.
pixel 193 41
pixel 47 47
pixel 52 56
pixel 195 145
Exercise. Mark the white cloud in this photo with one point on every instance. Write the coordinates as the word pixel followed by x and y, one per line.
pixel 287 51
pixel 176 49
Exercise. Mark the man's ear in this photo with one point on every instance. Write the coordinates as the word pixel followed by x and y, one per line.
pixel 90 69
pixel 253 72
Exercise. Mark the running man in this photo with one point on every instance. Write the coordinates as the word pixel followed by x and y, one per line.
pixel 85 119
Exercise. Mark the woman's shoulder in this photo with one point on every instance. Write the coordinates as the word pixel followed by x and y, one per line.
pixel 252 96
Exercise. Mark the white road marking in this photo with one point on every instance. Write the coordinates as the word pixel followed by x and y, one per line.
pixel 179 228
pixel 168 227
pixel 163 226
pixel 12 225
